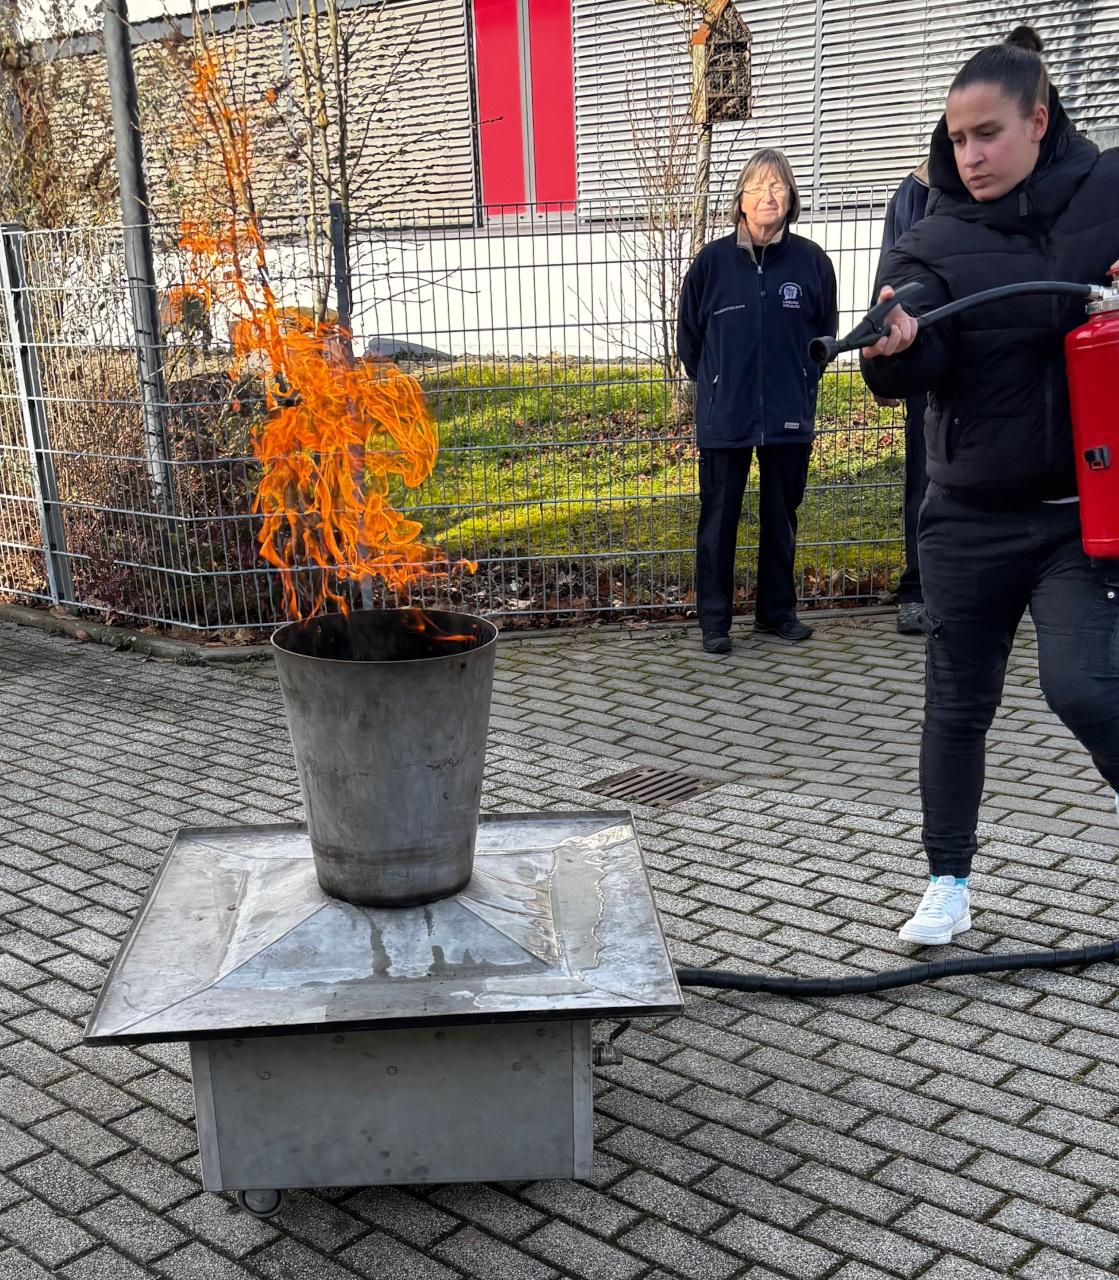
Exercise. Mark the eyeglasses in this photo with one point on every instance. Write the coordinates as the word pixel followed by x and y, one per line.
pixel 776 189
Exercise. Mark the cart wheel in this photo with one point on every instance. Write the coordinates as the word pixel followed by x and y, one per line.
pixel 262 1204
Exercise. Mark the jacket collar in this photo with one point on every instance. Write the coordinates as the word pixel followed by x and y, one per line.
pixel 1064 161
pixel 744 241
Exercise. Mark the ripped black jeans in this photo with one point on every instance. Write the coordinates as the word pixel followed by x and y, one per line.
pixel 980 570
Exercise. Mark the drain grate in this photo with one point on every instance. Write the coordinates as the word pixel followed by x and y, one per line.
pixel 658 788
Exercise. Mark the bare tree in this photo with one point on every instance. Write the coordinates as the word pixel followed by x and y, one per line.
pixel 663 154
pixel 354 147
pixel 662 142
pixel 330 115
pixel 666 144
pixel 208 128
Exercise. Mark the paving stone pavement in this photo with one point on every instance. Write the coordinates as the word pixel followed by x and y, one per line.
pixel 954 1132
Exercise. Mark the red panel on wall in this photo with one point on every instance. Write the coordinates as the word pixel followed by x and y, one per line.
pixel 499 102
pixel 553 101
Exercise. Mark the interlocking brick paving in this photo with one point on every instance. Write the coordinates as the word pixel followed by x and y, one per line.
pixel 954 1131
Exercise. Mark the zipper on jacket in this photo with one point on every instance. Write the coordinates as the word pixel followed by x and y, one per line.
pixel 761 343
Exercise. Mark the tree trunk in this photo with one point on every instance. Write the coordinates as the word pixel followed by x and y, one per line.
pixel 702 188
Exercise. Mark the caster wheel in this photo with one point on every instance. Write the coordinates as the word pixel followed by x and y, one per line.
pixel 262 1204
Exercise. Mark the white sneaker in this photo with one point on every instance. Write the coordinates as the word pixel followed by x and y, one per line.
pixel 945 910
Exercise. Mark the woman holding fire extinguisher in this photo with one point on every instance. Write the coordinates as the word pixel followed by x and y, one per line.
pixel 1016 195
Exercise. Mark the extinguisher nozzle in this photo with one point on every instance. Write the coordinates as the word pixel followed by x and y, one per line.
pixel 867 332
pixel 823 350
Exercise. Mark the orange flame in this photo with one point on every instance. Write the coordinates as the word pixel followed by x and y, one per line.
pixel 339 431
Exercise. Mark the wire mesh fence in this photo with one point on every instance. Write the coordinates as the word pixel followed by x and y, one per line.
pixel 544 342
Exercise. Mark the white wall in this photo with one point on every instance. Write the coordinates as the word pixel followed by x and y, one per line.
pixel 580 292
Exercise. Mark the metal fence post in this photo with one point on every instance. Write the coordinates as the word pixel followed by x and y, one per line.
pixel 139 260
pixel 29 388
pixel 341 261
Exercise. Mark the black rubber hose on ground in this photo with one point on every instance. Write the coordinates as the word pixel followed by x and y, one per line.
pixel 863 983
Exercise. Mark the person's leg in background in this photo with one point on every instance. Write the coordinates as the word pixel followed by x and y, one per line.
pixel 910 598
pixel 977 568
pixel 783 474
pixel 722 482
pixel 1075 607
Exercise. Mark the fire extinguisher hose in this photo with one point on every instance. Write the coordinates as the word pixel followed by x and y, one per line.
pixel 867 332
pixel 1061 287
pixel 864 983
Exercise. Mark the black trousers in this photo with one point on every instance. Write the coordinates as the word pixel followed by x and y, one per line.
pixel 783 474
pixel 916 481
pixel 981 570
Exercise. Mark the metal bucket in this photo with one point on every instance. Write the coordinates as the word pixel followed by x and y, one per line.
pixel 388 711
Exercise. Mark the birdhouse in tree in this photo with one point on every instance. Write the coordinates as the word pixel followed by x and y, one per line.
pixel 720 65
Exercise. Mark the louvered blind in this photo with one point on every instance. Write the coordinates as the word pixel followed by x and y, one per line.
pixel 850 89
pixel 412 90
pixel 632 97
pixel 411 121
pixel 885 71
pixel 875 84
pixel 1083 55
pixel 633 73
pixel 784 76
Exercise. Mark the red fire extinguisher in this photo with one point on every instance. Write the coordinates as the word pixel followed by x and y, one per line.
pixel 1092 360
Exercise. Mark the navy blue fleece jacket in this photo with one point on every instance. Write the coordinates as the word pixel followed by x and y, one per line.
pixel 746 319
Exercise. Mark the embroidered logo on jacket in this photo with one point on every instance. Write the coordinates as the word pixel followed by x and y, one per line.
pixel 790 293
pixel 738 306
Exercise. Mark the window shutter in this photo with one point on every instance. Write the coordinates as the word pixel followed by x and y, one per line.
pixel 783 69
pixel 850 89
pixel 886 69
pixel 1082 50
pixel 414 70
pixel 632 73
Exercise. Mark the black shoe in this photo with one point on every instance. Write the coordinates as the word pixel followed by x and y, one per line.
pixel 911 618
pixel 716 642
pixel 793 631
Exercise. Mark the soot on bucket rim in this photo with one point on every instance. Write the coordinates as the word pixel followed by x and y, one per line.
pixel 337 632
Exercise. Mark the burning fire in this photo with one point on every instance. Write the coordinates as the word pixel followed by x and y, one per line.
pixel 339 431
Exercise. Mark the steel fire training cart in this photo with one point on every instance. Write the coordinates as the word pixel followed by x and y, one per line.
pixel 338 1045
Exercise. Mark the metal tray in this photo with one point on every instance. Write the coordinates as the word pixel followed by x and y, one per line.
pixel 236 938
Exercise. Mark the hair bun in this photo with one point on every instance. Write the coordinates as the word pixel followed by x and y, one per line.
pixel 1025 38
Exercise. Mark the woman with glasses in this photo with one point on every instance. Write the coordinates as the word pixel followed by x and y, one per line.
pixel 751 303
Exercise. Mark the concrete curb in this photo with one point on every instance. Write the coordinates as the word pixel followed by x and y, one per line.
pixel 187 651
pixel 741 626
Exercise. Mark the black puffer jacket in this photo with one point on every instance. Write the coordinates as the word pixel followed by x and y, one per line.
pixel 998 426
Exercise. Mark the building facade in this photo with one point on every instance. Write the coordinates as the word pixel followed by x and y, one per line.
pixel 537 191
pixel 515 107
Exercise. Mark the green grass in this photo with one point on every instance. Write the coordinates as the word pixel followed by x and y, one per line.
pixel 555 459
